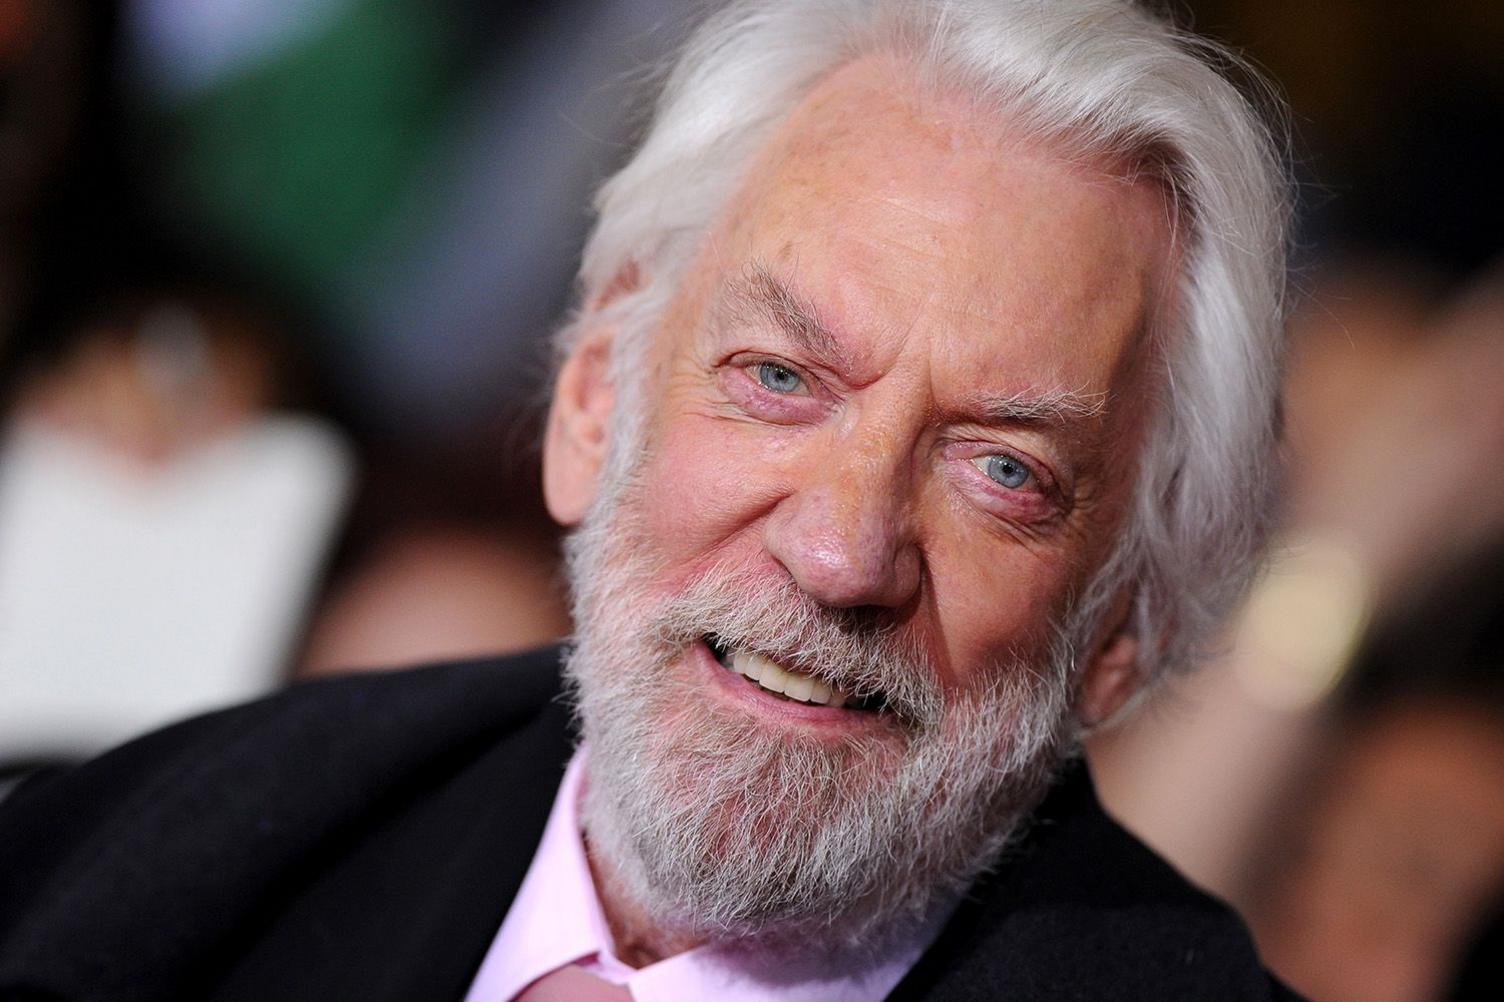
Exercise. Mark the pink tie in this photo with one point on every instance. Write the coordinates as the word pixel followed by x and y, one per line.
pixel 573 984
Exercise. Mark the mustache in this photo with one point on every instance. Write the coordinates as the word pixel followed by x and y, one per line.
pixel 860 651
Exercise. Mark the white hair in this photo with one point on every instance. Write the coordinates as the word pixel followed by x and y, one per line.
pixel 1102 79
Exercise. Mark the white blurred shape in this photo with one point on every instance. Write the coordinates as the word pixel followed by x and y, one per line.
pixel 133 597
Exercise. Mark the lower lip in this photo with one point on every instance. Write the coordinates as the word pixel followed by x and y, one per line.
pixel 748 694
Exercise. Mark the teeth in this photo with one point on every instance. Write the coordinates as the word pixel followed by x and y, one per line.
pixel 752 666
pixel 762 671
pixel 793 684
pixel 799 687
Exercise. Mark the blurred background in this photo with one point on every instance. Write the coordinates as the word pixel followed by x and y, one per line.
pixel 276 281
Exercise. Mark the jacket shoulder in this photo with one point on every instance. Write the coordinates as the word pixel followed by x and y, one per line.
pixel 284 767
pixel 1082 909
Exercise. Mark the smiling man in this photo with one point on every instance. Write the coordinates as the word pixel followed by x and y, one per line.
pixel 824 596
pixel 917 415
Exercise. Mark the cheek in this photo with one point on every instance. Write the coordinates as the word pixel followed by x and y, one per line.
pixel 712 482
pixel 989 602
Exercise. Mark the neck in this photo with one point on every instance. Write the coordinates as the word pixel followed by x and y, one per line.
pixel 637 940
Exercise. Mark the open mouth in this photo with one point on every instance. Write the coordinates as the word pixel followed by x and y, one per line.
pixel 785 682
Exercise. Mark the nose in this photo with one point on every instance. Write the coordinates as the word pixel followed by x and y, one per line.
pixel 845 534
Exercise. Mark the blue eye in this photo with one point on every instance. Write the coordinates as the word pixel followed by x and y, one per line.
pixel 778 378
pixel 1004 469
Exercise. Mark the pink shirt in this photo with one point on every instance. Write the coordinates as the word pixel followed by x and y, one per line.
pixel 556 920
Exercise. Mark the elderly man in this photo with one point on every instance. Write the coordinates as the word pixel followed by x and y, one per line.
pixel 917 414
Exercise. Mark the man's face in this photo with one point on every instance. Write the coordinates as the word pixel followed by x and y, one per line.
pixel 891 421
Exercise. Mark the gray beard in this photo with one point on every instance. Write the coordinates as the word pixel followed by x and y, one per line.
pixel 722 829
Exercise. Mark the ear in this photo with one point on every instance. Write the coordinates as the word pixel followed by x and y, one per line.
pixel 574 443
pixel 1112 676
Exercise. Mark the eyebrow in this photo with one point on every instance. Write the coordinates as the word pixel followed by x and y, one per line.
pixel 1054 407
pixel 760 290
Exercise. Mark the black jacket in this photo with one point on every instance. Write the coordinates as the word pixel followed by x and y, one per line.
pixel 362 838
